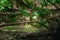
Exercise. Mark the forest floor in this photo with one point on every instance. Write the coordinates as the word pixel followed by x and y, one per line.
pixel 21 32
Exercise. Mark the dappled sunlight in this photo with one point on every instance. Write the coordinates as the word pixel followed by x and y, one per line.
pixel 29 19
pixel 24 28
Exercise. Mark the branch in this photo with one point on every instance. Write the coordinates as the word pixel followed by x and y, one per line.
pixel 18 23
pixel 10 24
pixel 54 4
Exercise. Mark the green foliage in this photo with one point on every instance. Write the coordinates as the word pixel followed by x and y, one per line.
pixel 35 16
pixel 5 5
pixel 24 12
pixel 30 4
pixel 57 1
pixel 36 24
pixel 44 22
pixel 12 20
pixel 43 12
pixel 9 28
pixel 43 2
pixel 12 17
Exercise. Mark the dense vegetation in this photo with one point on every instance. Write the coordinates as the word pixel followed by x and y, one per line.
pixel 36 13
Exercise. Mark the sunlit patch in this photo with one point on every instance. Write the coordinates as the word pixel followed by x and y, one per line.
pixel 24 28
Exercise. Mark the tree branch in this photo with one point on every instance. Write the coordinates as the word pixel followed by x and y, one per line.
pixel 18 23
pixel 54 4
